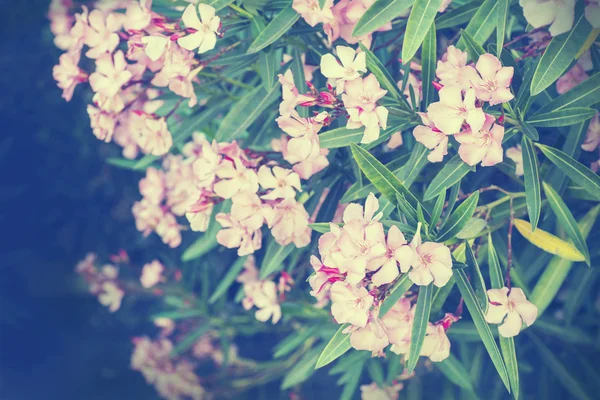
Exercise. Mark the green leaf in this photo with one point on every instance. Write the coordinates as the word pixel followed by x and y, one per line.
pixel 419 22
pixel 452 172
pixel 586 94
pixel 529 131
pixel 267 68
pixel 567 334
pixel 402 284
pixel 322 3
pixel 379 14
pixel 476 279
pixel 383 76
pixel 558 269
pixel 437 209
pixel 503 7
pixel 293 341
pixel 302 370
pixel 227 280
pixel 563 117
pixel 472 229
pixel 376 371
pixel 474 49
pixel 532 181
pixel 297 67
pixel 428 63
pixel 481 325
pixel 275 29
pixel 274 257
pixel 455 371
pixel 482 24
pixel 340 137
pixel 558 55
pixel 125 163
pixel 566 220
pixel 441 295
pixel 562 373
pixel 459 218
pixel 578 173
pixel 507 345
pixel 457 16
pixel 337 346
pixel 189 340
pixel 419 327
pixel 218 4
pixel 383 179
pixel 208 240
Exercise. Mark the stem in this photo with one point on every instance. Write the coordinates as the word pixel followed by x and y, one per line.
pixel 509 249
pixel 241 11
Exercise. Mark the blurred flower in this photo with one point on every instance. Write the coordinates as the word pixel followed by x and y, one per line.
pixel 510 308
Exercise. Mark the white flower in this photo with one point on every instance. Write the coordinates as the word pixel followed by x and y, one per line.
pixel 514 306
pixel 559 14
pixel 351 67
pixel 207 28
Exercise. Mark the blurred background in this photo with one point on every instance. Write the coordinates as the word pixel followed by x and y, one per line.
pixel 58 201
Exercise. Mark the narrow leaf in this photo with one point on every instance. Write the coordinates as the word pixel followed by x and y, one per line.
pixel 419 327
pixel 189 340
pixel 563 117
pixel 459 218
pixel 455 371
pixel 482 24
pixel 267 68
pixel 275 29
pixel 474 49
pixel 379 14
pixel 586 94
pixel 503 7
pixel 419 22
pixel 227 280
pixel 452 172
pixel 548 242
pixel 340 137
pixel 457 16
pixel 481 325
pixel 428 63
pixel 402 284
pixel 383 76
pixel 208 240
pixel 437 209
pixel 302 370
pixel 274 257
pixel 337 346
pixel 476 279
pixel 532 181
pixel 529 131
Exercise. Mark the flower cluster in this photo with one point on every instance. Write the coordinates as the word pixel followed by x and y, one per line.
pixel 359 261
pixel 159 54
pixel 459 113
pixel 263 294
pixel 102 282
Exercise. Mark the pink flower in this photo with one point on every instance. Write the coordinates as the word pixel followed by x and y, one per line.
pixel 77 34
pixel 312 12
pixel 235 235
pixel 359 245
pixel 111 74
pixel 152 187
pixel 559 14
pixel 372 337
pixel 151 274
pixel 516 154
pixel 366 216
pixel 351 67
pixel 102 123
pixel 138 15
pixel 432 138
pixel 360 101
pixel 492 84
pixel 395 141
pixel 290 224
pixel 111 296
pixel 101 35
pixel 283 182
pixel 374 392
pixel 177 73
pixel 200 218
pixel 205 37
pixel 248 209
pixel 398 253
pixel 510 308
pixel 350 304
pixel 572 78
pixel 68 75
pixel 305 142
pixel 307 168
pixel 166 325
pixel 483 146
pixel 235 178
pixel 452 111
pixel 444 5
pixel 592 137
pixel 436 345
pixel 169 230
pixel 147 216
pixel 449 67
pixel 152 135
pixel 263 295
pixel 398 322
pixel 432 262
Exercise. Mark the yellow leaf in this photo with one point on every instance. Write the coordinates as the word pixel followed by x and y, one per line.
pixel 548 242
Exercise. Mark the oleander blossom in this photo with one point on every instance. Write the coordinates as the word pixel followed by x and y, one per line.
pixel 349 68
pixel 360 100
pixel 372 391
pixel 510 309
pixel 102 282
pixel 204 29
pixel 432 262
pixel 559 14
pixel 483 146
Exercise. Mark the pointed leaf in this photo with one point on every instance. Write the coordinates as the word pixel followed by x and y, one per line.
pixel 482 24
pixel 529 131
pixel 267 68
pixel 402 284
pixel 457 16
pixel 474 49
pixel 419 327
pixel 302 370
pixel 481 325
pixel 476 279
pixel 208 240
pixel 437 209
pixel 548 242
pixel 559 54
pixel 383 76
pixel 275 29
pixel 340 137
pixel 419 22
pixel 218 4
pixel 503 7
pixel 586 94
pixel 459 218
pixel 337 346
pixel 274 258
pixel 452 172
pixel 428 63
pixel 189 340
pixel 472 229
pixel 379 14
pixel 455 371
pixel 563 117
pixel 532 181
pixel 578 173
pixel 227 280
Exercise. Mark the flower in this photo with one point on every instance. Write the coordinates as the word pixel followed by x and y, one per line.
pixel 151 274
pixel 235 178
pixel 432 138
pixel 138 15
pixel 360 245
pixel 492 84
pixel 592 13
pixel 452 111
pixel 483 146
pixel 235 235
pixel 263 295
pixel 559 14
pixel 572 78
pixel 374 392
pixel 432 262
pixel 436 345
pixel 111 74
pixel 304 143
pixel 449 67
pixel 283 182
pixel 152 186
pixel 152 135
pixel 312 12
pixel 350 304
pixel 352 65
pixel 101 35
pixel 395 141
pixel 398 252
pixel 516 154
pixel 111 296
pixel 155 46
pixel 372 337
pixel 206 28
pixel 398 322
pixel 169 230
pixel 248 209
pixel 355 211
pixel 360 101
pixel 592 137
pixel 102 123
pixel 68 75
pixel 290 224
pixel 510 308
